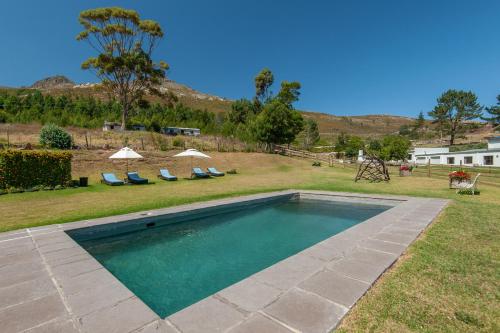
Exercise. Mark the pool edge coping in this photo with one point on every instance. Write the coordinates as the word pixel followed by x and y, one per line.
pixel 394 229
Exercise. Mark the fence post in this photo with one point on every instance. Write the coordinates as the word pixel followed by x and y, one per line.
pixel 429 167
pixel 8 136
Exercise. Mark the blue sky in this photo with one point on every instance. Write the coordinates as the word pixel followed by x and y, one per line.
pixel 351 57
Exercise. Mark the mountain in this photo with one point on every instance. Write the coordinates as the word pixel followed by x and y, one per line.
pixel 329 125
pixel 52 82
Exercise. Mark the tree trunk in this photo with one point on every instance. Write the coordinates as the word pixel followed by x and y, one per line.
pixel 124 116
pixel 452 138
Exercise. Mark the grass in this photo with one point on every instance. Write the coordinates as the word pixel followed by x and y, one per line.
pixel 448 280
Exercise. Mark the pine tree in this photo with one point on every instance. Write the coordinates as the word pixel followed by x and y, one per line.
pixel 494 111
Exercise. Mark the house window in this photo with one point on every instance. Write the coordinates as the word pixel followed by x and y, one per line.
pixel 451 160
pixel 488 160
pixel 467 159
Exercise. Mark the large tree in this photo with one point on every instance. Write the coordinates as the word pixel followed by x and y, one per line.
pixel 263 82
pixel 453 108
pixel 124 44
pixel 289 93
pixel 277 124
pixel 494 112
pixel 311 133
pixel 394 147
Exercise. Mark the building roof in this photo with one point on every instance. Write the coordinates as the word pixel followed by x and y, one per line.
pixel 464 152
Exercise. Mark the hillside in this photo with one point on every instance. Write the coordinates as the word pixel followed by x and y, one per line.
pixel 370 125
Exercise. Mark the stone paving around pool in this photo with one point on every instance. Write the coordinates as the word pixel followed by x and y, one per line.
pixel 48 283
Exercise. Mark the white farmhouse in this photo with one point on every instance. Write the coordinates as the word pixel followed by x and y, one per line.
pixel 489 156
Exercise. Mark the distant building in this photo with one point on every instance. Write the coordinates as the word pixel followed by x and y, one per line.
pixel 138 127
pixel 489 156
pixel 111 126
pixel 181 131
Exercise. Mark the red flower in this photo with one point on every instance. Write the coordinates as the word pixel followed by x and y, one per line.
pixel 459 175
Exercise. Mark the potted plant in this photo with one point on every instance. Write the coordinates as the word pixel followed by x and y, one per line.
pixel 457 178
pixel 405 170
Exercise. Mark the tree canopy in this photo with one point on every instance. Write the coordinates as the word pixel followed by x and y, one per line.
pixel 453 108
pixel 311 133
pixel 494 112
pixel 270 119
pixel 124 44
pixel 263 82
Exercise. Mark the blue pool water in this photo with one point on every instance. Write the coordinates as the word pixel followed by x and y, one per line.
pixel 173 266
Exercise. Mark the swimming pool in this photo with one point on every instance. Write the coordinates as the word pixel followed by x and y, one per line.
pixel 174 261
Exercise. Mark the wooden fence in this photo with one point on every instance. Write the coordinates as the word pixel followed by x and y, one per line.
pixel 489 175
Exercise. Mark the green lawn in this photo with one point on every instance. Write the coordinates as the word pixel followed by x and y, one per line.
pixel 448 281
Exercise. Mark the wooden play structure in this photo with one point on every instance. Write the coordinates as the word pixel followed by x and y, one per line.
pixel 372 169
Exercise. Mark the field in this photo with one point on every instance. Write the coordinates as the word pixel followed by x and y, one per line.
pixel 448 280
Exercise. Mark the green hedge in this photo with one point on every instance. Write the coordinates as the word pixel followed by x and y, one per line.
pixel 28 168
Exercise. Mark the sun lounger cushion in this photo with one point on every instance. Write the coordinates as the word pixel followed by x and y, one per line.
pixel 134 178
pixel 164 174
pixel 110 179
pixel 215 172
pixel 199 173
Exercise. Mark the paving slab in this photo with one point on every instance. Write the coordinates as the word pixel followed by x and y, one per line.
pixel 261 324
pixel 97 298
pixel 335 287
pixel 395 238
pixel 9 275
pixel 76 268
pixel 250 294
pixel 158 326
pixel 382 246
pixel 378 258
pixel 289 272
pixel 323 252
pixel 357 270
pixel 122 317
pixel 55 326
pixel 208 315
pixel 13 234
pixel 86 281
pixel 26 291
pixel 30 314
pixel 17 258
pixel 306 312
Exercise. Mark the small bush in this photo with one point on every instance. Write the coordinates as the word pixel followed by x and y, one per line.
pixel 232 172
pixel 316 164
pixel 178 142
pixel 4 117
pixel 52 136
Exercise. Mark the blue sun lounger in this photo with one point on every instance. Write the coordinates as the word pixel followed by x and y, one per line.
pixel 214 172
pixel 198 173
pixel 110 179
pixel 133 178
pixel 165 175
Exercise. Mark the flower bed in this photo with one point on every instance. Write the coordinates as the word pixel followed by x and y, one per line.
pixel 405 170
pixel 457 178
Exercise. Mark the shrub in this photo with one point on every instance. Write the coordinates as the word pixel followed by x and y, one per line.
pixel 52 136
pixel 29 168
pixel 178 142
pixel 4 117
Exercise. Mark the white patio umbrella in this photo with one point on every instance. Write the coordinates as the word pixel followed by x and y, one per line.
pixel 125 153
pixel 192 153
